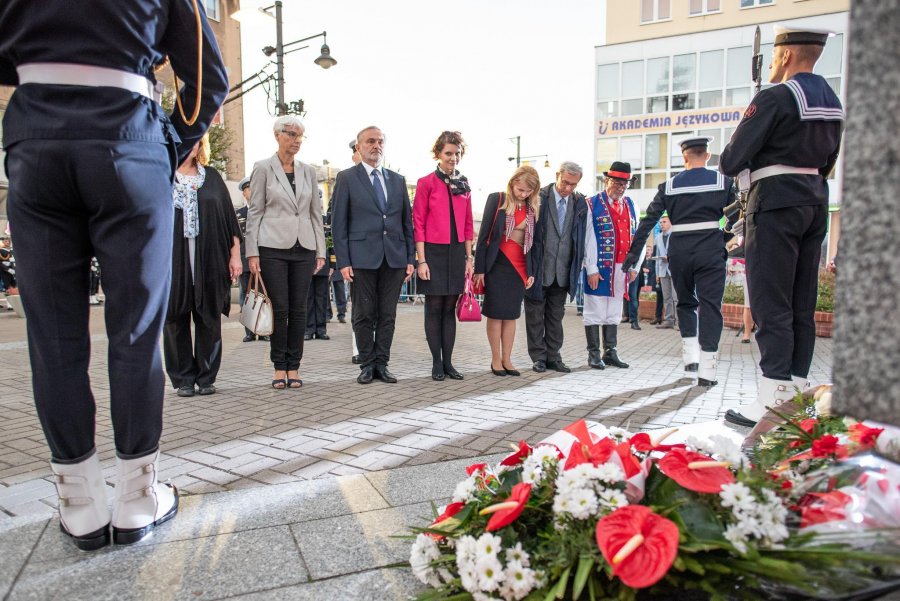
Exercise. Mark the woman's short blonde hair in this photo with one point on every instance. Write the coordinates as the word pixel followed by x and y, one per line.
pixel 203 153
pixel 526 176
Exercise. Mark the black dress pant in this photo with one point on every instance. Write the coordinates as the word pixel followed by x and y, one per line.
pixel 543 323
pixel 286 273
pixel 783 247
pixel 64 214
pixel 699 281
pixel 374 294
pixel 340 298
pixel 317 305
pixel 192 362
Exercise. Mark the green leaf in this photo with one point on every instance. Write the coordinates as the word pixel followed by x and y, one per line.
pixel 452 523
pixel 559 589
pixel 585 563
pixel 693 565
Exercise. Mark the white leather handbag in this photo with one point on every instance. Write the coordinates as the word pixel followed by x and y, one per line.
pixel 256 312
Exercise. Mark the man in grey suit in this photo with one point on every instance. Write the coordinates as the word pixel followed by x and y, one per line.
pixel 545 302
pixel 373 243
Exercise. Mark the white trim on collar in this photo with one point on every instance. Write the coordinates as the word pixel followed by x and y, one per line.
pixel 815 113
pixel 672 191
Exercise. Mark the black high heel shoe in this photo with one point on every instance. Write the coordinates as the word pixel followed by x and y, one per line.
pixel 497 372
pixel 451 373
pixel 437 373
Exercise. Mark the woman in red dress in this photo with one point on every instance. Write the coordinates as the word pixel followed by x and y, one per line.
pixel 506 260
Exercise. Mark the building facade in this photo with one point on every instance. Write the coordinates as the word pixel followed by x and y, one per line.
pixel 673 69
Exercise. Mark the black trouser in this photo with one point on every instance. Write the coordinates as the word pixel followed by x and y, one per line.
pixel 316 305
pixel 187 362
pixel 543 323
pixel 340 298
pixel 286 273
pixel 95 284
pixel 63 216
pixel 243 285
pixel 440 328
pixel 699 281
pixel 659 302
pixel 783 247
pixel 374 294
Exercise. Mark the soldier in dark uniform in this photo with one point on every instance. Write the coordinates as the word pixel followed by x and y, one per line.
pixel 693 200
pixel 317 300
pixel 788 141
pixel 91 158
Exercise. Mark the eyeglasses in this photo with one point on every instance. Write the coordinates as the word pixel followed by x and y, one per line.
pixel 617 183
pixel 292 134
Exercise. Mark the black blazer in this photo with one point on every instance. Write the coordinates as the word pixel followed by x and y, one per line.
pixel 363 235
pixel 486 251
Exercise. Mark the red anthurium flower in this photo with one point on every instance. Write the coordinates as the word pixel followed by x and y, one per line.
pixel 519 456
pixel 630 464
pixel 808 425
pixel 451 510
pixel 695 471
pixel 639 544
pixel 507 512
pixel 821 507
pixel 643 443
pixel 476 467
pixel 864 435
pixel 826 446
pixel 595 454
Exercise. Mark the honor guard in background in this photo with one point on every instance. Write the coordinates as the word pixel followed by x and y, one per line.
pixel 91 156
pixel 603 233
pixel 693 200
pixel 788 141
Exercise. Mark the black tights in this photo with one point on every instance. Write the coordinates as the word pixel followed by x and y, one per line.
pixel 440 328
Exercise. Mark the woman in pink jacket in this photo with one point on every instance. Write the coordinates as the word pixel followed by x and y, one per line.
pixel 442 220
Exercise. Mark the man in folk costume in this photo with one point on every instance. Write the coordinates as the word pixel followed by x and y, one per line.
pixel 788 141
pixel 603 236
pixel 694 200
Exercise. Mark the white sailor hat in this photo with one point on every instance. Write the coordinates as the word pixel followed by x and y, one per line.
pixel 801 35
pixel 244 183
pixel 703 141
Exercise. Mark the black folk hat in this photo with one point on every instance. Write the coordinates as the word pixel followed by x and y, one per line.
pixel 619 170
pixel 699 142
pixel 785 35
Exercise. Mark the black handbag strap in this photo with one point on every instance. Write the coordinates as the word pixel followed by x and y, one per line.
pixel 494 220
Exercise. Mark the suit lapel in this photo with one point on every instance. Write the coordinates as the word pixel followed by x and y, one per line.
pixel 299 182
pixel 282 178
pixel 367 184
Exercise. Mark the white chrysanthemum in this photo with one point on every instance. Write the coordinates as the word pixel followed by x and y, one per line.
pixel 482 597
pixel 562 503
pixel 519 578
pixel 544 453
pixel 424 551
pixel 701 445
pixel 584 504
pixel 466 551
pixel 726 449
pixel 465 490
pixel 488 545
pixel 445 574
pixel 737 538
pixel 571 480
pixel 609 472
pixel 612 499
pixel 737 496
pixel 619 434
pixel 490 573
pixel 517 553
pixel 468 577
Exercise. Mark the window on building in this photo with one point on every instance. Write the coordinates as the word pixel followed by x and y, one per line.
pixel 684 73
pixel 607 152
pixel 657 75
pixel 683 102
pixel 212 9
pixel 714 148
pixel 655 148
pixel 607 108
pixel 709 99
pixel 655 10
pixel 752 3
pixel 712 64
pixel 829 64
pixel 631 151
pixel 676 159
pixel 633 107
pixel 699 7
pixel 657 104
pixel 632 79
pixel 738 76
pixel 608 82
pixel 652 180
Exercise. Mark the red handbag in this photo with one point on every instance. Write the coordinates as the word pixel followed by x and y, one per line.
pixel 479 289
pixel 467 307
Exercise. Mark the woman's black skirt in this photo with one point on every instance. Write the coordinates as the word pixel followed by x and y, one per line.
pixel 447 267
pixel 503 290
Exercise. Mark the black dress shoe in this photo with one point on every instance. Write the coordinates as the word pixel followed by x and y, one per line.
pixel 635 326
pixel 355 359
pixel 341 319
pixel 451 373
pixel 249 338
pixel 539 366
pixel 655 322
pixel 706 383
pixel 384 375
pixel 733 417
pixel 307 337
pixel 365 375
pixel 437 374
pixel 323 336
pixel 207 389
pixel 186 390
pixel 610 357
pixel 263 338
pixel 558 366
pixel 498 372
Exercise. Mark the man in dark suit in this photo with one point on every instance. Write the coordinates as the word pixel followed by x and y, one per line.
pixel 373 242
pixel 545 301
pixel 244 279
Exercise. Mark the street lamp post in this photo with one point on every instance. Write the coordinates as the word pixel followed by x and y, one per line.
pixel 518 158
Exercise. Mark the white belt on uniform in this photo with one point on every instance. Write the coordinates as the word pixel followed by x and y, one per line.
pixel 771 170
pixel 72 74
pixel 693 227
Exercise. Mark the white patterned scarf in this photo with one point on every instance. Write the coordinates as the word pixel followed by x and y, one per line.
pixel 184 195
pixel 529 226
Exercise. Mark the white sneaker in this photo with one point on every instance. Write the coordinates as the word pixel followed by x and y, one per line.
pixel 83 512
pixel 141 503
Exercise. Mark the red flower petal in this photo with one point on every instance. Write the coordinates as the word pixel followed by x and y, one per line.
pixel 476 467
pixel 863 435
pixel 643 443
pixel 650 561
pixel 519 456
pixel 825 446
pixel 630 464
pixel 808 425
pixel 500 519
pixel 451 510
pixel 596 454
pixel 706 480
pixel 818 508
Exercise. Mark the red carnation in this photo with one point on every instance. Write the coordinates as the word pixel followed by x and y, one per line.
pixel 519 456
pixel 863 435
pixel 639 544
pixel 695 471
pixel 825 446
pixel 507 512
pixel 818 508
pixel 808 424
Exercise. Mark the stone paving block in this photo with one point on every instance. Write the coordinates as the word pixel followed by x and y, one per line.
pixel 18 536
pixel 216 476
pixel 373 585
pixel 208 567
pixel 409 485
